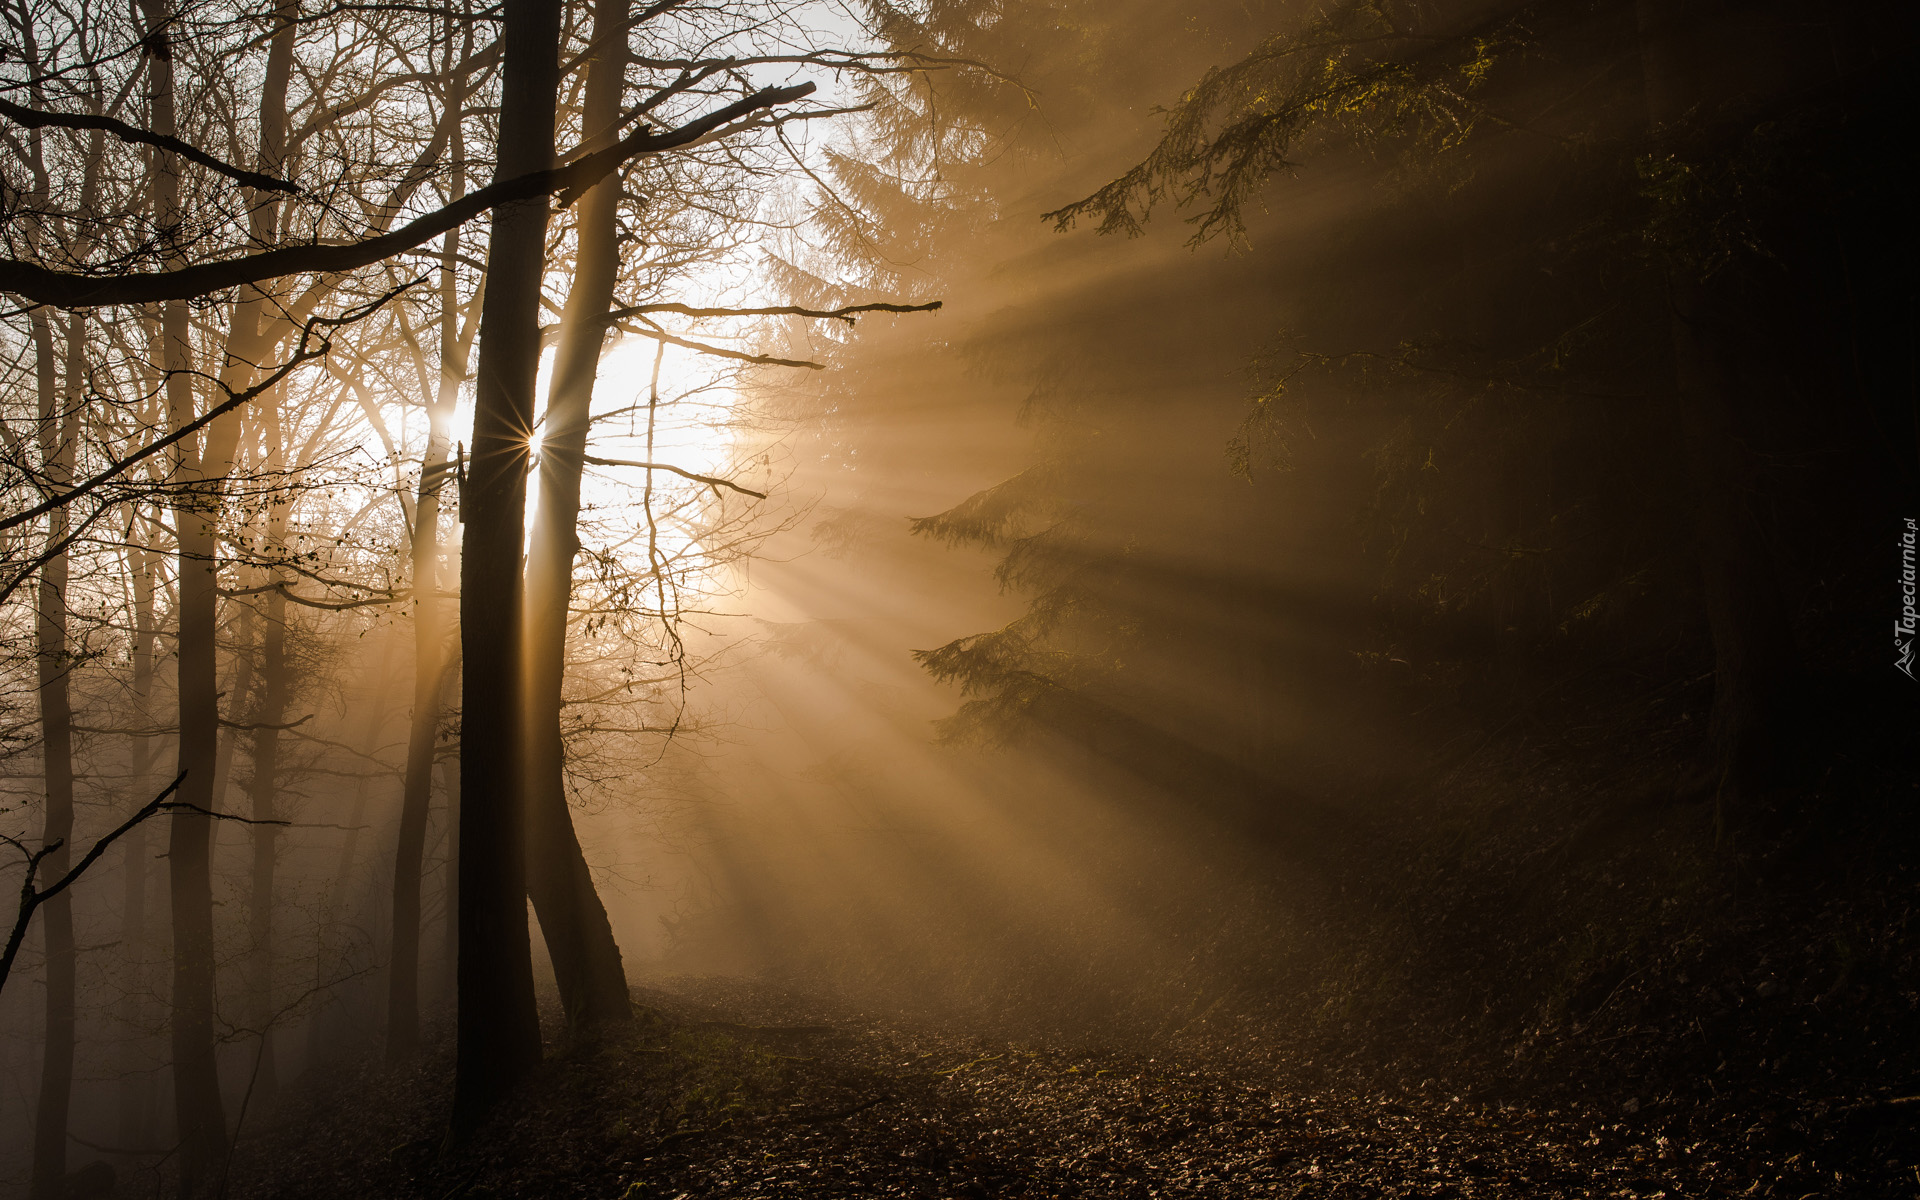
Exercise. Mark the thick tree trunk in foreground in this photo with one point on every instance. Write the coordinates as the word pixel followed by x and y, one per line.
pixel 586 959
pixel 1755 664
pixel 498 1031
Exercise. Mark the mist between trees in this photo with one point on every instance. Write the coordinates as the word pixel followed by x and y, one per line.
pixel 565 457
pixel 270 511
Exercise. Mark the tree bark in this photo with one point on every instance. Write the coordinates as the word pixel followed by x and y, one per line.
pixel 199 1112
pixel 136 1085
pixel 586 959
pixel 276 691
pixel 429 669
pixel 498 1029
pixel 238 690
pixel 450 883
pixel 58 432
pixel 59 437
pixel 430 633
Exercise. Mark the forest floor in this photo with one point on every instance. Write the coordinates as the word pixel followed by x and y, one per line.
pixel 1546 989
pixel 739 1090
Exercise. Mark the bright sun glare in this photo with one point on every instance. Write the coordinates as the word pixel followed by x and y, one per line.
pixel 692 430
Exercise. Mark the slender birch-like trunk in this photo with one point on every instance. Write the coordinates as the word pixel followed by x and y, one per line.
pixel 429 625
pixel 429 637
pixel 586 959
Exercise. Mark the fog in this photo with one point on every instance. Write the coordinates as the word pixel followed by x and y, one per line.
pixel 1269 533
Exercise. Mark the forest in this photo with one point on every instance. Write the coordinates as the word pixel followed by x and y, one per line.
pixel 680 599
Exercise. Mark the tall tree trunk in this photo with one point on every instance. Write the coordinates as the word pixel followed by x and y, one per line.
pixel 238 691
pixel 251 332
pixel 276 688
pixel 137 1086
pixel 59 430
pixel 429 668
pixel 429 628
pixel 59 439
pixel 198 1109
pixel 498 1030
pixel 1755 664
pixel 448 758
pixel 586 959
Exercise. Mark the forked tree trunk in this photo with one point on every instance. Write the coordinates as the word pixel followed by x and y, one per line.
pixel 498 1030
pixel 254 328
pixel 198 1109
pixel 586 959
pixel 429 632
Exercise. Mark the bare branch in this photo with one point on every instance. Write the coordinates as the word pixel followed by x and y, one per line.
pixel 31 898
pixel 661 335
pixel 305 353
pixel 847 314
pixel 70 289
pixel 711 481
pixel 38 119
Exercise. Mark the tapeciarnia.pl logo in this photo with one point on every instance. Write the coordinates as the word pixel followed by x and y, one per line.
pixel 1903 629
